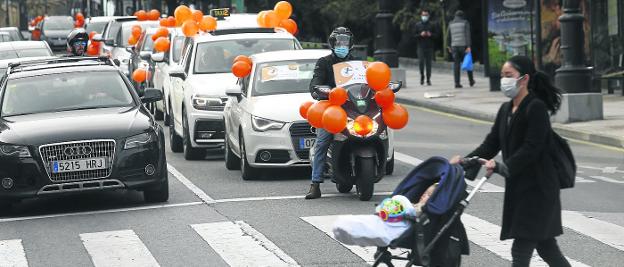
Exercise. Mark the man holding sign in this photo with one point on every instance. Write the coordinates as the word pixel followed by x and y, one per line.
pixel 340 41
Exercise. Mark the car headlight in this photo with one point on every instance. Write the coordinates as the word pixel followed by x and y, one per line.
pixel 137 140
pixel 201 102
pixel 262 124
pixel 14 151
pixel 125 61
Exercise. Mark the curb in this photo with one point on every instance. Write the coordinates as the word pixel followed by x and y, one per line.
pixel 560 129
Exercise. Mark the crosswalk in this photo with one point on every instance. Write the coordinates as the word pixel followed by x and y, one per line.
pixel 239 244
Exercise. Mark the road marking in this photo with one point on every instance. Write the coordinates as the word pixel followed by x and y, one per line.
pixel 486 235
pixel 100 212
pixel 12 253
pixel 239 244
pixel 117 248
pixel 487 187
pixel 603 170
pixel 583 180
pixel 245 199
pixel 325 225
pixel 186 182
pixel 605 232
pixel 607 179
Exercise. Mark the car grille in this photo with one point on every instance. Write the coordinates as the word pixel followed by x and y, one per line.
pixel 299 130
pixel 56 152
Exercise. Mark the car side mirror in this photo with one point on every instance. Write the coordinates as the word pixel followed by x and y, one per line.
pixel 151 95
pixel 130 49
pixel 145 55
pixel 109 42
pixel 177 72
pixel 234 90
pixel 158 57
pixel 97 38
pixel 395 86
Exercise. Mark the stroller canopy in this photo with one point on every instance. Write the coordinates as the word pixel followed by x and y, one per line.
pixel 450 190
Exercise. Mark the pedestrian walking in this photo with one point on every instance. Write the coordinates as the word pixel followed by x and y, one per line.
pixel 424 32
pixel 460 42
pixel 532 207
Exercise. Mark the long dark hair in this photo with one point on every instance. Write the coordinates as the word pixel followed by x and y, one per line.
pixel 539 82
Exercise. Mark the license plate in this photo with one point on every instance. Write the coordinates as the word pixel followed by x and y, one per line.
pixel 305 143
pixel 78 165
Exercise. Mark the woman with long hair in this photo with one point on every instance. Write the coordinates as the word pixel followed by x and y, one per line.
pixel 532 208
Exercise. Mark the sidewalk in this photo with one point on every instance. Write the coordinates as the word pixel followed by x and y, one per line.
pixel 479 103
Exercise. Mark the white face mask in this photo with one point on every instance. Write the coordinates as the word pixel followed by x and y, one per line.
pixel 509 86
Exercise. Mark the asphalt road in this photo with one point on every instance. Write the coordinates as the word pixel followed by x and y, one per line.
pixel 214 218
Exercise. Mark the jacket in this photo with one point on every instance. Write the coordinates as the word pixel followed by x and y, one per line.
pixel 459 33
pixel 424 42
pixel 532 208
pixel 324 71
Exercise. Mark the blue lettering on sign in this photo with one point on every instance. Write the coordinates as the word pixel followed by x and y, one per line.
pixel 55 166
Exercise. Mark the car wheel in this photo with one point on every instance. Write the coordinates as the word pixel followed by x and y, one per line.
pixel 160 194
pixel 231 160
pixel 158 115
pixel 166 117
pixel 344 188
pixel 390 165
pixel 190 153
pixel 247 172
pixel 175 141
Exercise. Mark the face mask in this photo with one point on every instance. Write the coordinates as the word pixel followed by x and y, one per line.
pixel 509 86
pixel 424 18
pixel 341 51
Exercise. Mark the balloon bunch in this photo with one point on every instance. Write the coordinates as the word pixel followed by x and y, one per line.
pixel 378 76
pixel 147 15
pixel 135 34
pixel 241 66
pixel 94 47
pixel 35 21
pixel 36 33
pixel 168 22
pixel 278 17
pixel 161 40
pixel 79 20
pixel 327 114
pixel 193 20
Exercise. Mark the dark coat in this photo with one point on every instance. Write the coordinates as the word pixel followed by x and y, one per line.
pixel 424 42
pixel 324 71
pixel 532 208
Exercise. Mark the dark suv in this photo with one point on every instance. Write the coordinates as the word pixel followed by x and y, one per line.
pixel 72 125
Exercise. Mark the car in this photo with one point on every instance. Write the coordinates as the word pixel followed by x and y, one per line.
pixel 20 49
pixel 75 125
pixel 4 63
pixel 55 29
pixel 97 24
pixel 115 39
pixel 200 80
pixel 161 78
pixel 5 37
pixel 263 128
pixel 14 33
pixel 140 54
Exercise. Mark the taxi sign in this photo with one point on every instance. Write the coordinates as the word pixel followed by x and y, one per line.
pixel 220 13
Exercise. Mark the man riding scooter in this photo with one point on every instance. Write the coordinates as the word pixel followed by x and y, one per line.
pixel 341 42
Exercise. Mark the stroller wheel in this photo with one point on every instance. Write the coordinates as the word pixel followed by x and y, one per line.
pixel 344 188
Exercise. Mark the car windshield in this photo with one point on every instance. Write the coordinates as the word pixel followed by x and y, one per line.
pixel 5 38
pixel 2 72
pixel 61 23
pixel 148 43
pixel 14 35
pixel 64 92
pixel 95 27
pixel 178 44
pixel 33 52
pixel 126 31
pixel 284 77
pixel 217 57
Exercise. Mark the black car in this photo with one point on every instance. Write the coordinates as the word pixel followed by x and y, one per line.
pixel 76 124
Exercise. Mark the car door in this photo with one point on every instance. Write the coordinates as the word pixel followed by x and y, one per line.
pixel 235 112
pixel 178 86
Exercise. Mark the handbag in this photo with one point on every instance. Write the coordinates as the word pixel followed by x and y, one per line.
pixel 467 63
pixel 563 161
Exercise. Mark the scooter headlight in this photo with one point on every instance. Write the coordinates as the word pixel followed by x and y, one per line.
pixel 354 128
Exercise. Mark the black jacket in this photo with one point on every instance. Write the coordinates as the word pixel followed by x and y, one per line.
pixel 532 208
pixel 424 42
pixel 324 71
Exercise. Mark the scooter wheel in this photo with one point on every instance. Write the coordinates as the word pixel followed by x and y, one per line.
pixel 365 168
pixel 344 188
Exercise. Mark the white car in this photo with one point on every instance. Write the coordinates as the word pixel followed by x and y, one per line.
pixel 200 80
pixel 262 122
pixel 161 78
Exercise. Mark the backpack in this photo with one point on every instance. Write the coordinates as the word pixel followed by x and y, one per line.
pixel 563 161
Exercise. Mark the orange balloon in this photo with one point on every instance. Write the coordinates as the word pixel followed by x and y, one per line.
pixel 189 28
pixel 136 31
pixel 271 20
pixel 79 16
pixel 132 40
pixel 241 69
pixel 163 22
pixel 197 15
pixel 378 75
pixel 260 18
pixel 141 15
pixel 171 21
pixel 162 44
pixel 208 23
pixel 283 9
pixel 182 13
pixel 334 119
pixel 160 32
pixel 92 50
pixel 315 113
pixel 395 116
pixel 139 75
pixel 153 14
pixel 289 25
pixel 338 96
pixel 79 23
pixel 91 34
pixel 243 58
pixel 363 125
pixel 303 109
pixel 384 98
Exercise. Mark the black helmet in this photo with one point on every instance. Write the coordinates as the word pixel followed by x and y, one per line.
pixel 77 38
pixel 341 35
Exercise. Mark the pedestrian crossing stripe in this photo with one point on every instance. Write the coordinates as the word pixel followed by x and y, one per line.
pixel 12 253
pixel 117 248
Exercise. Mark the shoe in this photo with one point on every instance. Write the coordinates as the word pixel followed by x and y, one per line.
pixel 315 191
pixel 472 83
pixel 429 83
pixel 422 80
pixel 458 86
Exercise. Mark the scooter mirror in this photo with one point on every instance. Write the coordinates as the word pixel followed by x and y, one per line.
pixel 395 86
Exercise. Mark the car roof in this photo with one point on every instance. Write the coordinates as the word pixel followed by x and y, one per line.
pixel 140 23
pixel 9 28
pixel 238 20
pixel 57 17
pixel 15 45
pixel 4 33
pixel 35 67
pixel 5 62
pixel 238 35
pixel 101 19
pixel 289 55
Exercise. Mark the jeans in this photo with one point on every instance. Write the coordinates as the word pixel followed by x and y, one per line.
pixel 522 251
pixel 425 56
pixel 323 140
pixel 458 57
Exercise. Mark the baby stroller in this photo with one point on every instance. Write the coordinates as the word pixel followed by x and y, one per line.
pixel 436 236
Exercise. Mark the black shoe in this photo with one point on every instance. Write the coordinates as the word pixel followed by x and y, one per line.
pixel 315 191
pixel 422 80
pixel 458 86
pixel 429 83
pixel 472 83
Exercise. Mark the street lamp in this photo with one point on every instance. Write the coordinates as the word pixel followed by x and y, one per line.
pixel 385 46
